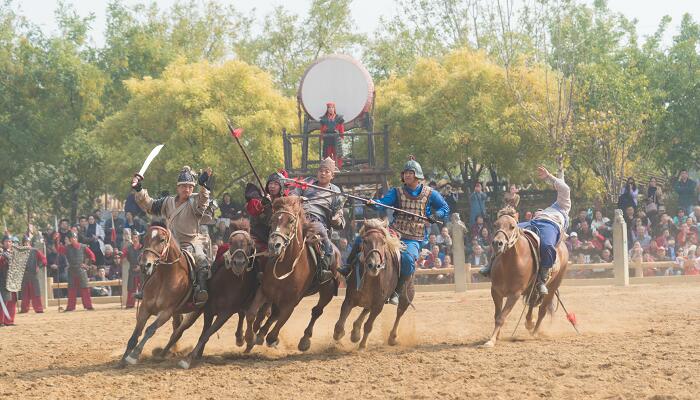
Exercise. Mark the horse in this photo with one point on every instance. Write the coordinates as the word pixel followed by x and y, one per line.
pixel 231 288
pixel 514 274
pixel 379 269
pixel 288 276
pixel 166 292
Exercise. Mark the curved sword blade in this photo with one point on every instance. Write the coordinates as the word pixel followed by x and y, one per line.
pixel 150 158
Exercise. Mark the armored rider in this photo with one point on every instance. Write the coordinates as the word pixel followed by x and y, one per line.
pixel 417 198
pixel 259 206
pixel 183 214
pixel 325 209
pixel 550 224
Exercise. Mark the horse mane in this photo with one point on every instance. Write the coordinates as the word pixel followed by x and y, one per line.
pixel 509 211
pixel 393 243
pixel 241 224
pixel 159 224
pixel 287 203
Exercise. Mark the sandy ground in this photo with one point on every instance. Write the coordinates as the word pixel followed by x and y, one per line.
pixel 639 342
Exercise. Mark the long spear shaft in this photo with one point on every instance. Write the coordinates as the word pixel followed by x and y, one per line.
pixel 362 199
pixel 245 153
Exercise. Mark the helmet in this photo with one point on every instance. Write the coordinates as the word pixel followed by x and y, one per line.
pixel 186 176
pixel 412 165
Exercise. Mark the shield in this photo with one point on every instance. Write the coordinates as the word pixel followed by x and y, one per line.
pixel 18 264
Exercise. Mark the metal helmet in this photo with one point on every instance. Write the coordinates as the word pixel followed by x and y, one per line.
pixel 412 165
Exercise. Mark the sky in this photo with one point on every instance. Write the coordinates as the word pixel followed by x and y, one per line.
pixel 365 12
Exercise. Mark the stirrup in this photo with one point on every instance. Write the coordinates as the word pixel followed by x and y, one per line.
pixel 138 295
pixel 393 299
pixel 326 275
pixel 542 288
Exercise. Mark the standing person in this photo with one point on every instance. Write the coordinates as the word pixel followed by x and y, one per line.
pixel 416 198
pixel 512 198
pixel 114 230
pixel 477 202
pixel 324 210
pixel 95 237
pixel 654 199
pixel 58 263
pixel 183 214
pixel 134 225
pixel 628 195
pixel 77 255
pixel 131 254
pixel 30 282
pixel 332 125
pixel 550 224
pixel 63 229
pixel 685 188
pixel 9 298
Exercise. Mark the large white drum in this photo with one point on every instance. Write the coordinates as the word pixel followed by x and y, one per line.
pixel 339 79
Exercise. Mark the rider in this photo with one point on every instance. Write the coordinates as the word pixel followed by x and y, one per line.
pixel 549 224
pixel 417 198
pixel 259 206
pixel 183 214
pixel 324 209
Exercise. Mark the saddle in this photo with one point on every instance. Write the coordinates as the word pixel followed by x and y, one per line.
pixel 188 304
pixel 531 295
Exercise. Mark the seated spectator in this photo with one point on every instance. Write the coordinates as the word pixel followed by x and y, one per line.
pixel 581 218
pixel 606 256
pixel 447 262
pixel 101 290
pixel 584 232
pixel 572 243
pixel 226 207
pixel 600 223
pixel 636 253
pixel 111 261
pixel 432 241
pixel 478 258
pixel 683 235
pixel 642 236
pixel 444 240
pixel 512 198
pixel 680 217
pixel 528 216
pixel 134 223
pixel 661 254
pixel 663 238
pixel 476 227
pixel 485 239
pixel 433 256
pixel 695 216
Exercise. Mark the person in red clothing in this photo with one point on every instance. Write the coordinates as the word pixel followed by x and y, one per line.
pixel 30 282
pixel 77 253
pixel 8 298
pixel 332 125
pixel 131 254
pixel 259 206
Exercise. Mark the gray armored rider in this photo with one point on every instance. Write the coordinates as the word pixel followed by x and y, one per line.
pixel 325 209
pixel 183 215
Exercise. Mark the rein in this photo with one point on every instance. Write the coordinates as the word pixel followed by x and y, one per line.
pixel 287 240
pixel 511 239
pixel 164 254
pixel 251 258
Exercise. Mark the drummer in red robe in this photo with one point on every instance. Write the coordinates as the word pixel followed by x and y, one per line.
pixel 332 124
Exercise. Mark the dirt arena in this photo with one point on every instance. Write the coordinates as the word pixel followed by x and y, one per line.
pixel 639 342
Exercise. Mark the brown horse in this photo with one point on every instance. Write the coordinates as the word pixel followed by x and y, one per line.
pixel 231 288
pixel 288 276
pixel 513 274
pixel 165 292
pixel 379 267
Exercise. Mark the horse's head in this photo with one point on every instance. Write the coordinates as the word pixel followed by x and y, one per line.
pixel 241 252
pixel 506 230
pixel 156 247
pixel 284 224
pixel 376 244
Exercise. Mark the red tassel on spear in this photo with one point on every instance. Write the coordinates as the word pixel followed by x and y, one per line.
pixel 569 315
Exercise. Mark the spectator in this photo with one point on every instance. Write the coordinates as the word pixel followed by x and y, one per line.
pixel 434 257
pixel 444 240
pixel 101 291
pixel 581 218
pixel 512 198
pixel 485 240
pixel 477 202
pixel 606 256
pixel 134 224
pixel 478 258
pixel 680 218
pixel 114 223
pixel 642 236
pixel 654 200
pixel 628 195
pixel 636 253
pixel 695 216
pixel 432 241
pixel 600 223
pixel 226 207
pixel 661 254
pixel 344 250
pixel 112 269
pixel 451 196
pixel 685 188
pixel 95 237
pixel 476 227
pixel 528 216
pixel 63 229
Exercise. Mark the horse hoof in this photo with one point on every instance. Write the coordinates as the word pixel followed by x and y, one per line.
pixel 337 335
pixel 183 364
pixel 273 344
pixel 355 336
pixel 248 349
pixel 488 345
pixel 304 344
pixel 259 339
pixel 121 364
pixel 131 360
pixel 239 341
pixel 363 346
pixel 392 341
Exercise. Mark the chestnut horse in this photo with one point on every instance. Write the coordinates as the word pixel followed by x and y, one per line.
pixel 288 276
pixel 165 292
pixel 379 268
pixel 513 274
pixel 231 289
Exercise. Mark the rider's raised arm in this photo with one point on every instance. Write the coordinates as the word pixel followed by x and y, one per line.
pixel 563 192
pixel 202 200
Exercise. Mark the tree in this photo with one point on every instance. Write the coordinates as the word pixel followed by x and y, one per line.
pixel 185 109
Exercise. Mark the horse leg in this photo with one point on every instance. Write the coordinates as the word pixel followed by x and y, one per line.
pixel 264 312
pixel 262 332
pixel 162 318
pixel 285 312
pixel 546 302
pixel 141 320
pixel 325 297
pixel 239 329
pixel 403 306
pixel 179 329
pixel 250 315
pixel 369 324
pixel 501 318
pixel 345 309
pixel 211 329
pixel 528 320
pixel 355 334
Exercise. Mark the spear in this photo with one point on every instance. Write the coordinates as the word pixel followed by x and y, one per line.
pixel 236 133
pixel 303 185
pixel 569 316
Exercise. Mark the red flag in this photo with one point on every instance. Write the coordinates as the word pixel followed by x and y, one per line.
pixel 237 133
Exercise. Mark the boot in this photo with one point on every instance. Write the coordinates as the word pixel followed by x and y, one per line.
pixel 541 281
pixel 324 263
pixel 351 262
pixel 201 296
pixel 138 295
pixel 394 299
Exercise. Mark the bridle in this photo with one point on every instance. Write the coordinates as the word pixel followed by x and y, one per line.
pixel 382 263
pixel 228 257
pixel 287 240
pixel 510 239
pixel 163 255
